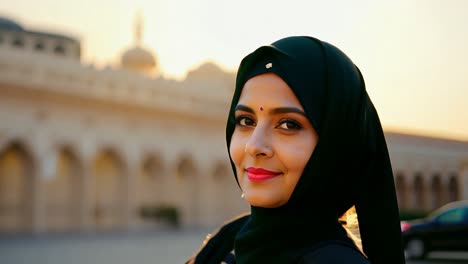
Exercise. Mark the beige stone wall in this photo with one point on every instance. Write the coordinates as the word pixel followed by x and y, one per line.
pixel 427 170
pixel 62 193
pixel 98 161
pixel 15 188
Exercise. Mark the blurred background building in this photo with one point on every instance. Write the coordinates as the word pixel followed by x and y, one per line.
pixel 121 148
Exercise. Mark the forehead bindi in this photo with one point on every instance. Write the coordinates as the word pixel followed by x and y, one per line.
pixel 267 91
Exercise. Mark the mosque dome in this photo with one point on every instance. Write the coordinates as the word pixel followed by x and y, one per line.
pixel 137 58
pixel 205 71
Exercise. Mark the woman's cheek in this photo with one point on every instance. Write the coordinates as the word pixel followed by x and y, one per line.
pixel 235 150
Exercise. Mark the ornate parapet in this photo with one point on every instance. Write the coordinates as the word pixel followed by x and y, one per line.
pixel 32 71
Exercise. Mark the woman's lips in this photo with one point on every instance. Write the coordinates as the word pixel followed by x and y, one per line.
pixel 259 174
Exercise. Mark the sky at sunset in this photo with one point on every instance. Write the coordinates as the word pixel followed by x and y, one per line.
pixel 413 54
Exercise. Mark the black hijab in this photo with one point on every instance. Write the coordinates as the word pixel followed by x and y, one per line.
pixel 349 166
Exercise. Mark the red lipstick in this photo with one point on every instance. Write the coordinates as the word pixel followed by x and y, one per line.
pixel 259 174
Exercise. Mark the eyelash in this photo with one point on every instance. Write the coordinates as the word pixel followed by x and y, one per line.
pixel 296 125
pixel 239 119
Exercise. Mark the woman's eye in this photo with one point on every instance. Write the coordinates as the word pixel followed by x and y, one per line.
pixel 245 121
pixel 289 125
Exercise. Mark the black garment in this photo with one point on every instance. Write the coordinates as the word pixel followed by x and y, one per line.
pixel 334 252
pixel 219 248
pixel 350 164
pixel 221 242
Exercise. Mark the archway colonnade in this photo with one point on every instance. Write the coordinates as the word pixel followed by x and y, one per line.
pixel 61 190
pixel 427 191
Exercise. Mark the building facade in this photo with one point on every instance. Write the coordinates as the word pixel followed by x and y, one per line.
pixel 91 149
pixel 429 172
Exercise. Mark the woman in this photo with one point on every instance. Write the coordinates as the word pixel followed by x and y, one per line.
pixel 306 144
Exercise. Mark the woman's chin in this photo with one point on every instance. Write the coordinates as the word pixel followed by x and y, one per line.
pixel 264 201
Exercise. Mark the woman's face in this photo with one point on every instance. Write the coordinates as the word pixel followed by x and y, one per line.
pixel 272 141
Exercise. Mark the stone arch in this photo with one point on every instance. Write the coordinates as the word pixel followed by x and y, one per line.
pixel 109 193
pixel 401 187
pixel 149 183
pixel 17 181
pixel 453 189
pixel 221 170
pixel 62 192
pixel 436 192
pixel 224 192
pixel 23 143
pixel 419 190
pixel 186 169
pixel 187 189
pixel 152 165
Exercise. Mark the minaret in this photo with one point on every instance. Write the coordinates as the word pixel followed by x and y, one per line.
pixel 137 58
pixel 138 33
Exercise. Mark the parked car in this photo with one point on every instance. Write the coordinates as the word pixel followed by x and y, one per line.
pixel 444 229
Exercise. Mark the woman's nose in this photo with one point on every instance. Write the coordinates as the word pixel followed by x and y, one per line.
pixel 259 143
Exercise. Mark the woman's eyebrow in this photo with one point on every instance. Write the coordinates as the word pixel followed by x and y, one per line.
pixel 244 108
pixel 283 110
pixel 278 110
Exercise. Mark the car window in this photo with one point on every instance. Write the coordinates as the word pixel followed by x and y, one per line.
pixel 455 215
